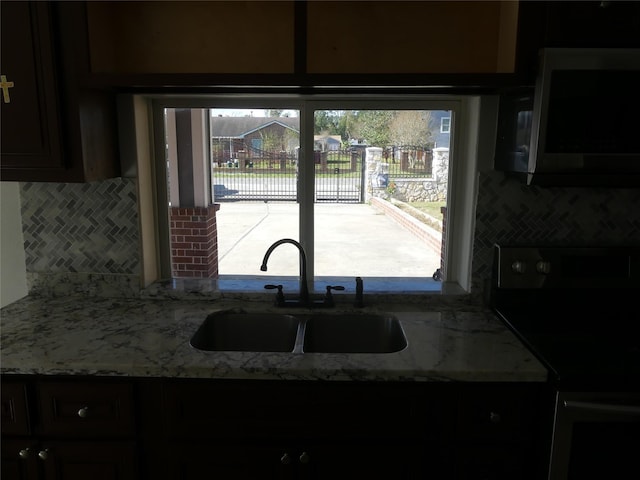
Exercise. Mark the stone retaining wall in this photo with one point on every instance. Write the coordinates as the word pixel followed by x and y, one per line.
pixel 426 189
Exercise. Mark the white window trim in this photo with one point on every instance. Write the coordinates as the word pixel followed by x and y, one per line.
pixel 463 181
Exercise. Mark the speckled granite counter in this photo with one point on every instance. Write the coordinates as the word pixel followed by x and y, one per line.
pixel 150 338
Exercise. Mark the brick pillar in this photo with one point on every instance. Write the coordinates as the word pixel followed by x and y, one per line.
pixel 194 242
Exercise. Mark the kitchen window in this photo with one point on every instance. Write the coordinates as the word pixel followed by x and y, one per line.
pixel 304 219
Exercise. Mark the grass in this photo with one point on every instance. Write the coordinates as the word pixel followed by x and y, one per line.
pixel 430 208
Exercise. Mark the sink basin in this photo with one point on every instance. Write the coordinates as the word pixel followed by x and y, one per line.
pixel 353 333
pixel 247 332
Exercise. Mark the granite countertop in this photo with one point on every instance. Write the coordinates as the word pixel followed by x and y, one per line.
pixel 150 338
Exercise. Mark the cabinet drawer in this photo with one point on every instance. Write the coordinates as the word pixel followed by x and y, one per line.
pixel 15 417
pixel 497 413
pixel 86 409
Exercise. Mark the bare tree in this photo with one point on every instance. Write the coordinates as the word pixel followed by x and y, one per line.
pixel 410 127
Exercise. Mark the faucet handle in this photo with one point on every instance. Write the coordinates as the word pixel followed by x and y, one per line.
pixel 334 287
pixel 279 295
pixel 328 298
pixel 359 303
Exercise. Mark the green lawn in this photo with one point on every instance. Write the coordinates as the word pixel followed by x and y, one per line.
pixel 430 208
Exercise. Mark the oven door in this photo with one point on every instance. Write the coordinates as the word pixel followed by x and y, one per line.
pixel 596 435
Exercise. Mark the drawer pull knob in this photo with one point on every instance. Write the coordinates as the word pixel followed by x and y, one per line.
pixel 24 453
pixel 43 454
pixel 83 412
pixel 304 458
pixel 285 459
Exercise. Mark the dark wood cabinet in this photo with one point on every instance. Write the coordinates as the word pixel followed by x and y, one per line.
pixel 53 127
pixel 118 429
pixel 194 461
pixel 501 432
pixel 31 138
pixel 315 430
pixel 591 24
pixel 302 430
pixel 78 431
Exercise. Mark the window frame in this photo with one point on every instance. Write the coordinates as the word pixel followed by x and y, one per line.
pixel 463 164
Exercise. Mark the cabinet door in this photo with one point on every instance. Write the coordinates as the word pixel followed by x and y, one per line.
pixel 15 417
pixel 370 461
pixel 493 463
pixel 19 460
pixel 189 461
pixel 30 125
pixel 54 127
pixel 593 24
pixel 88 460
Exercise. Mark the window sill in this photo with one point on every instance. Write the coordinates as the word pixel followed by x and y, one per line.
pixel 251 289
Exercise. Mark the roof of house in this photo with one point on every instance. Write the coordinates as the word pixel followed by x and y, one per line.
pixel 238 127
pixel 328 138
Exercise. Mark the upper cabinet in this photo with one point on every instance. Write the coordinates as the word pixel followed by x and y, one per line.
pixel 30 106
pixel 251 37
pixel 411 37
pixel 53 129
pixel 604 24
pixel 296 43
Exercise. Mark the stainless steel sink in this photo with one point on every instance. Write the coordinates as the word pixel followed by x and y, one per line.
pixel 247 332
pixel 353 333
pixel 315 333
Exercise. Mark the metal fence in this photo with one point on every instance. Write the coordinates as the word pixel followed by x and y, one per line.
pixel 408 161
pixel 274 177
pixel 255 175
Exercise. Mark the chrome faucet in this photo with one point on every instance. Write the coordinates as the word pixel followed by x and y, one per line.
pixel 304 290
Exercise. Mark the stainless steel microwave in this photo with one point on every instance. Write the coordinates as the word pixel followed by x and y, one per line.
pixel 580 125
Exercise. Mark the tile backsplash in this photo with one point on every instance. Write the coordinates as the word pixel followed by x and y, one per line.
pixel 92 228
pixel 81 227
pixel 509 212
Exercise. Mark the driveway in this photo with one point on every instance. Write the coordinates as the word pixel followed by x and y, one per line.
pixel 351 240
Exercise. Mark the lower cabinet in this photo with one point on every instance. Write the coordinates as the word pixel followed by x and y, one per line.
pixel 302 461
pixel 381 461
pixel 68 430
pixel 305 430
pixel 501 432
pixel 68 460
pixel 123 429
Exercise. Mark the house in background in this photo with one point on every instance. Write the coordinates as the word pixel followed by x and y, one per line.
pixel 257 136
pixel 440 126
pixel 326 143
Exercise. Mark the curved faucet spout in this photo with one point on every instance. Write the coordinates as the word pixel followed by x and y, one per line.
pixel 304 290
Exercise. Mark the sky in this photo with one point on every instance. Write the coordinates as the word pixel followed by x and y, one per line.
pixel 238 112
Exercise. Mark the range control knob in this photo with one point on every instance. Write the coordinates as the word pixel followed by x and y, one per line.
pixel 543 266
pixel 518 266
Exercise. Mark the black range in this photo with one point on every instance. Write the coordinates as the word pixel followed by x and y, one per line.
pixel 578 310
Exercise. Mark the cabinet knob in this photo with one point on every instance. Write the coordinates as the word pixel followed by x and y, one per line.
pixel 24 453
pixel 43 454
pixel 83 412
pixel 494 417
pixel 304 457
pixel 285 459
pixel 518 267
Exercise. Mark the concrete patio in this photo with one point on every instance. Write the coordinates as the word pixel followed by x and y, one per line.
pixel 350 240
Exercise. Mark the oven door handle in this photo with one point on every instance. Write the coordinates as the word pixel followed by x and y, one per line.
pixel 602 407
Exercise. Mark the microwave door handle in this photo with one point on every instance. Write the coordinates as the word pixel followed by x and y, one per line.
pixel 602 407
